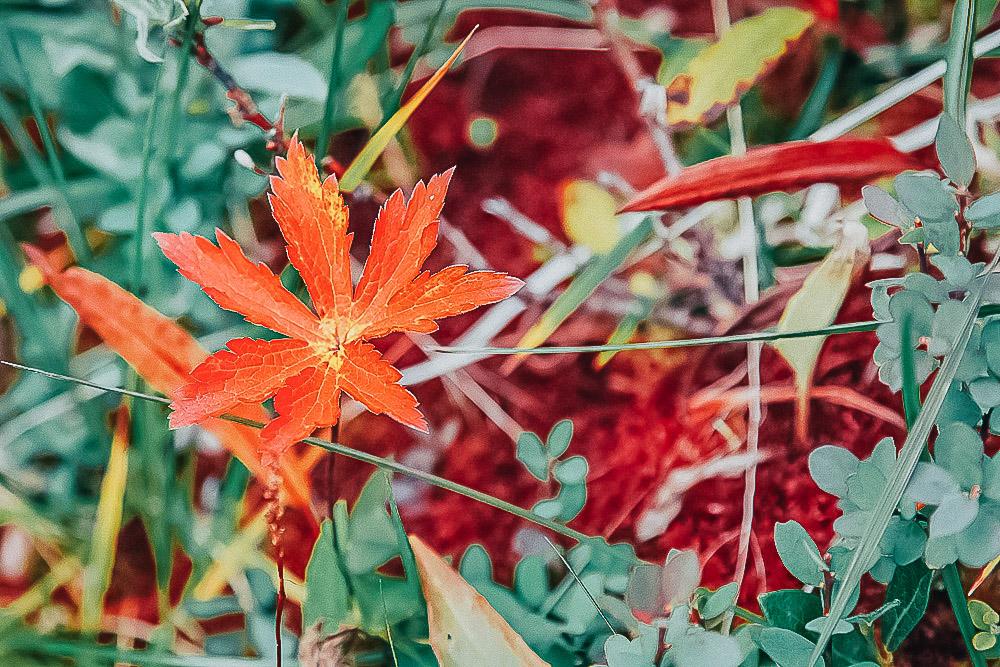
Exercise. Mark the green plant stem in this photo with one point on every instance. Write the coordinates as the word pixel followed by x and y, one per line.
pixel 392 105
pixel 765 336
pixel 956 596
pixel 330 106
pixel 343 450
pixel 950 577
pixel 183 73
pixel 136 283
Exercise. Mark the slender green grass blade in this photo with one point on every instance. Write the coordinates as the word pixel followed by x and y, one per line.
pixel 70 223
pixel 364 161
pixel 583 285
pixel 334 84
pixel 392 105
pixel 958 75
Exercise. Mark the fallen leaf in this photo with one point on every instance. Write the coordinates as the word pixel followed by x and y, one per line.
pixel 719 74
pixel 784 166
pixel 162 353
pixel 815 306
pixel 464 629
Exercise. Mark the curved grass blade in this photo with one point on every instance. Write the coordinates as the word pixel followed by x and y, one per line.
pixel 343 450
pixel 364 161
pixel 909 456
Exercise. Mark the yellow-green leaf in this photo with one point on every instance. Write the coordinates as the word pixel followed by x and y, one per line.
pixel 359 168
pixel 722 72
pixel 588 215
pixel 107 523
pixel 815 306
pixel 464 628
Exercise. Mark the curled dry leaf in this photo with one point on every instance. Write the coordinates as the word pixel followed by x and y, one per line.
pixel 163 354
pixel 464 628
pixel 785 166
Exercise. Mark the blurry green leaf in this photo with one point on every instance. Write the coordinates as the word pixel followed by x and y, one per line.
pixel 371 535
pixel 790 609
pixel 720 601
pixel 953 515
pixel 571 471
pixel 622 652
pixel 279 74
pixel 830 467
pixel 984 213
pixel 923 193
pixel 787 648
pixel 843 627
pixel 327 594
pixel 557 442
pixel 883 207
pixel 959 450
pixel 571 498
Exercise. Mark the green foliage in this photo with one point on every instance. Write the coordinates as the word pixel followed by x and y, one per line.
pixel 987 622
pixel 345 587
pixel 556 617
pixel 799 553
pixel 963 488
pixel 911 587
pixel 544 462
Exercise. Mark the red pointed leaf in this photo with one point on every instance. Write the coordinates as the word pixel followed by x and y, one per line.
pixel 786 166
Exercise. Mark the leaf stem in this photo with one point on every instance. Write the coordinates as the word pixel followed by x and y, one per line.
pixel 956 596
pixel 331 104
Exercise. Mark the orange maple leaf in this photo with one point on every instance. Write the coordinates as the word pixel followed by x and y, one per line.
pixel 326 352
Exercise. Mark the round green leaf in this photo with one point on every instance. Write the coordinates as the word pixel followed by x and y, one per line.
pixel 799 553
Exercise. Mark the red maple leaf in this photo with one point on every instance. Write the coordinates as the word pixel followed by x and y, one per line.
pixel 326 352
